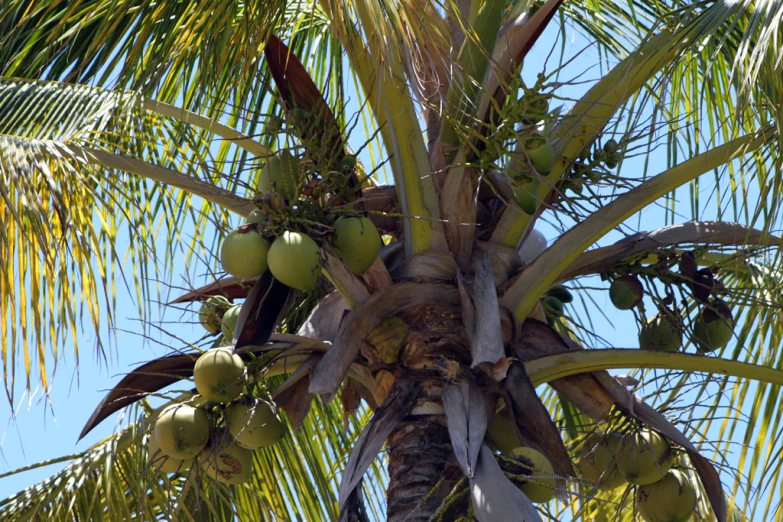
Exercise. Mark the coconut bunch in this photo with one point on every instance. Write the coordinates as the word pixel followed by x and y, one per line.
pixel 292 220
pixel 217 430
pixel 714 324
pixel 611 460
pixel 643 459
pixel 534 155
pixel 607 461
pixel 592 166
pixel 554 301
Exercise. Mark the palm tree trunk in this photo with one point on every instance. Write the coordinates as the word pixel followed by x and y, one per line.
pixel 422 466
pixel 422 469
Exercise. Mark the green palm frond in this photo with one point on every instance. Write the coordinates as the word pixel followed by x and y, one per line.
pixel 67 150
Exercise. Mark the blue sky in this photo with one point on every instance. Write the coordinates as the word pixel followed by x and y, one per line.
pixel 43 431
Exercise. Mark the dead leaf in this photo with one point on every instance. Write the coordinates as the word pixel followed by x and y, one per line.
pixel 354 510
pixel 351 399
pixel 536 339
pixel 505 261
pixel 396 406
pixel 495 497
pixel 324 321
pixel 377 276
pixel 499 370
pixel 466 418
pixel 702 232
pixel 458 210
pixel 228 287
pixel 261 311
pixel 295 401
pixel 481 314
pixel 382 209
pixel 384 382
pixel 353 288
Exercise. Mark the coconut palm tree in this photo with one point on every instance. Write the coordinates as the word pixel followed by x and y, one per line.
pixel 408 386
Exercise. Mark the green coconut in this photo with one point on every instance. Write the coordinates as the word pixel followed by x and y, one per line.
pixel 525 197
pixel 348 162
pixel 229 464
pixel 671 499
pixel 280 174
pixel 554 305
pixel 561 293
pixel 212 311
pixel 540 153
pixel 534 108
pixel 300 116
pixel 357 242
pixel 611 146
pixel 517 169
pixel 273 124
pixel 661 334
pixel 256 216
pixel 162 462
pixel 574 185
pixel 502 434
pixel 714 327
pixel 229 322
pixel 626 292
pixel 295 260
pixel 182 431
pixel 219 375
pixel 540 484
pixel 712 336
pixel 255 424
pixel 598 464
pixel 643 457
pixel 244 253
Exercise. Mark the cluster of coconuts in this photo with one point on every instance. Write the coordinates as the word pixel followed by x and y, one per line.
pixel 714 324
pixel 221 427
pixel 661 333
pixel 293 257
pixel 554 302
pixel 531 471
pixel 218 315
pixel 587 167
pixel 643 459
pixel 534 155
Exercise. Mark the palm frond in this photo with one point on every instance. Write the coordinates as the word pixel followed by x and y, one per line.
pixel 66 161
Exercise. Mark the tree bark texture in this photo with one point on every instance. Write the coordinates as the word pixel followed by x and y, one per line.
pixel 422 468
